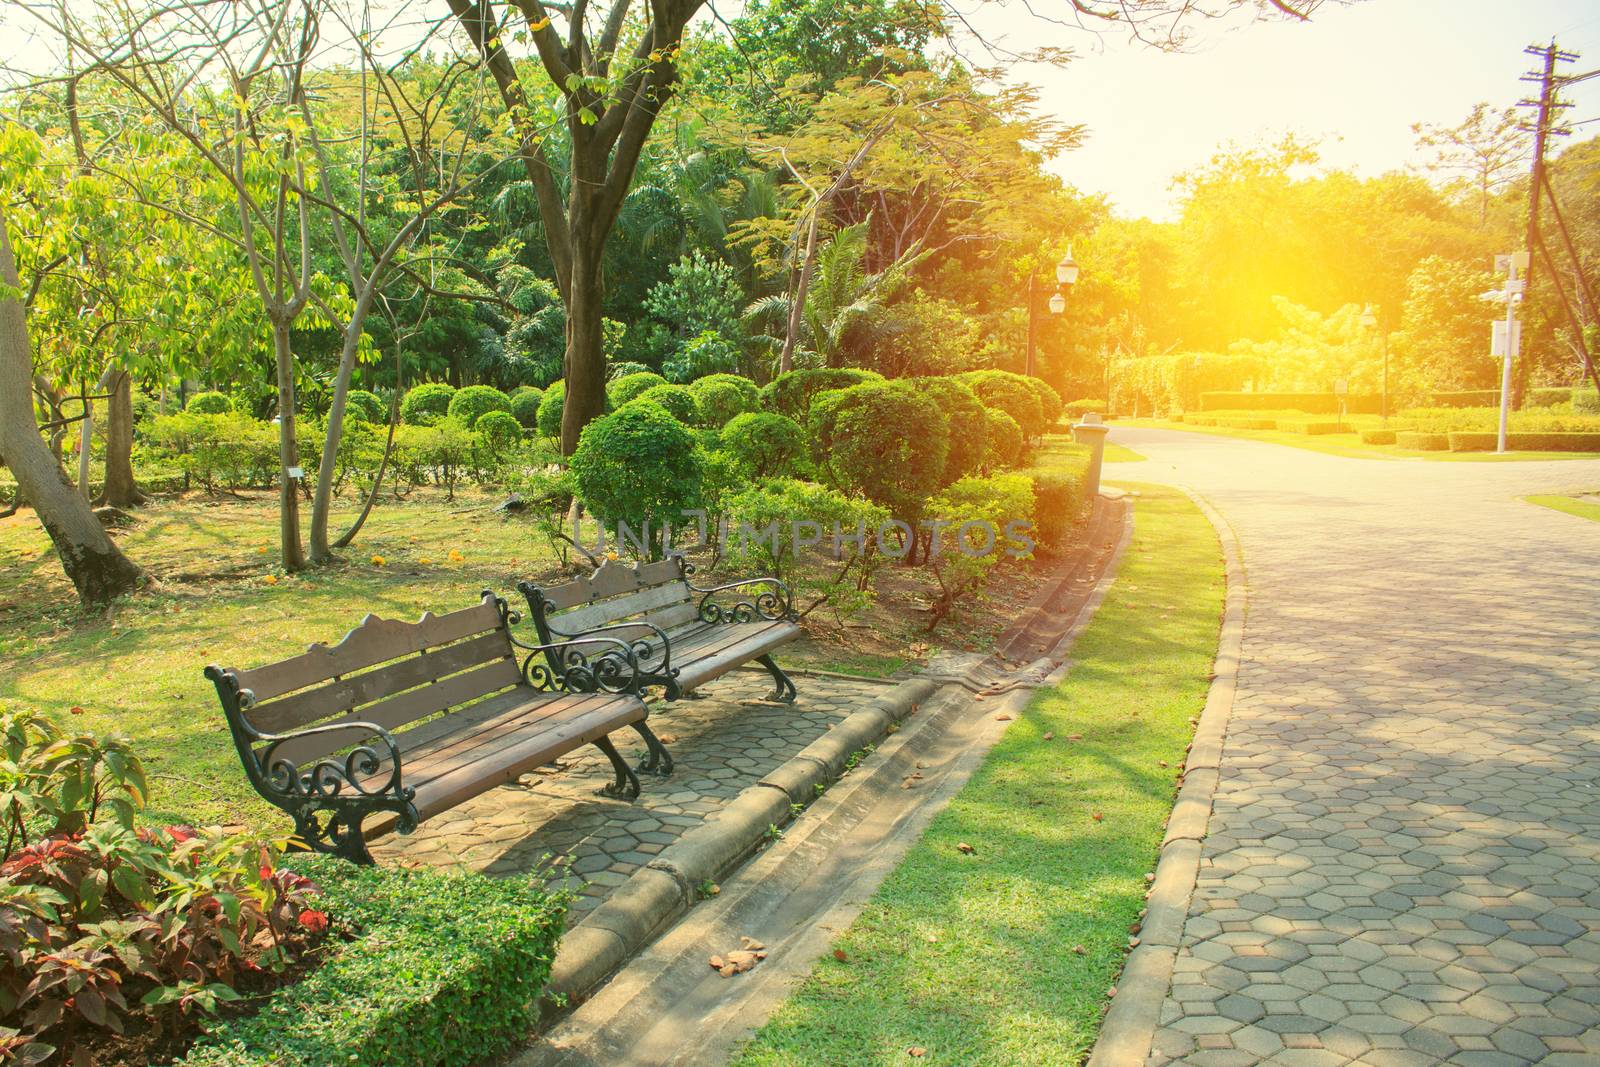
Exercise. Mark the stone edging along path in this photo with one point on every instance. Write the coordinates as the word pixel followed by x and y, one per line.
pixel 1129 1029
pixel 659 894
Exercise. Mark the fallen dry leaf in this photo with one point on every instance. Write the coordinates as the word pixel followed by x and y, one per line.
pixel 1002 718
pixel 1149 876
pixel 839 955
pixel 717 963
pixel 1080 950
pixel 1162 762
pixel 751 944
pixel 1074 737
pixel 1050 735
pixel 917 1051
pixel 1097 816
pixel 965 849
pixel 1111 992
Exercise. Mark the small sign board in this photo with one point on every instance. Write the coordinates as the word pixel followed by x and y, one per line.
pixel 1505 260
pixel 297 473
pixel 1341 387
pixel 1497 339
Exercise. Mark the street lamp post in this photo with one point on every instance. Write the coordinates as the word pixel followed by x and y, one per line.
pixel 1066 278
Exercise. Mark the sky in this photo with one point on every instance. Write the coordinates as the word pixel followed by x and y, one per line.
pixel 1356 77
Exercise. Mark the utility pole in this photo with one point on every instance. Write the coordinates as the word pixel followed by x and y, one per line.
pixel 1507 335
pixel 1546 107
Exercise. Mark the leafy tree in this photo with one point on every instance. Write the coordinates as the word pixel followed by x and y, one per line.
pixel 1484 153
pixel 1441 343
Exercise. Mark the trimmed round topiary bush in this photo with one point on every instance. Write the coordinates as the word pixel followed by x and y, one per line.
pixel 550 406
pixel 426 404
pixel 1059 502
pixel 525 406
pixel 764 444
pixel 1005 440
pixel 676 400
pixel 1049 400
pixel 882 439
pixel 475 401
pixel 626 367
pixel 791 394
pixel 1077 409
pixel 638 465
pixel 500 431
pixel 969 425
pixel 364 406
pixel 720 398
pixel 621 390
pixel 209 403
pixel 1012 394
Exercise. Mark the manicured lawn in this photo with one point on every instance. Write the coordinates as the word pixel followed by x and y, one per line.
pixel 973 958
pixel 1586 509
pixel 1121 454
pixel 1348 444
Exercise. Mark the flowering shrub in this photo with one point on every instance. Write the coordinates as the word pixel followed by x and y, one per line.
pixel 107 929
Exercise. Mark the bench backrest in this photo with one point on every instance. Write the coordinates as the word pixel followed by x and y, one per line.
pixel 616 593
pixel 386 672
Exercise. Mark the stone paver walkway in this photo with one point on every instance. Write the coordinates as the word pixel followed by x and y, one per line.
pixel 721 743
pixel 1403 864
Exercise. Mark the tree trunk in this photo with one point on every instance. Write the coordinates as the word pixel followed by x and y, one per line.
pixel 121 490
pixel 289 473
pixel 797 306
pixel 91 559
pixel 585 358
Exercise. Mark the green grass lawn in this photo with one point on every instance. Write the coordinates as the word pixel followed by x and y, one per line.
pixel 974 957
pixel 1121 454
pixel 1585 509
pixel 1348 444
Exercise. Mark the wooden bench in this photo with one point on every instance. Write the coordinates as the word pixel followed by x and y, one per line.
pixel 681 635
pixel 402 720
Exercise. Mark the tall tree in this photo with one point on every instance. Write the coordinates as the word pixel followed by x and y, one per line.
pixel 1484 153
pixel 91 559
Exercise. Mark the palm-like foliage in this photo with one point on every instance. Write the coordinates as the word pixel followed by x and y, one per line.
pixel 848 310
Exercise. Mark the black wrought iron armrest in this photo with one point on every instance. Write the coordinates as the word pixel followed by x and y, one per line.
pixel 773 603
pixel 566 666
pixel 641 647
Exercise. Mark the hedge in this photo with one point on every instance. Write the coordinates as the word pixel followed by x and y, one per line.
pixel 1423 442
pixel 1377 437
pixel 1488 398
pixel 1525 442
pixel 1585 401
pixel 1310 403
pixel 434 970
pixel 1313 428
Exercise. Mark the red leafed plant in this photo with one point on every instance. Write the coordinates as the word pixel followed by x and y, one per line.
pixel 106 926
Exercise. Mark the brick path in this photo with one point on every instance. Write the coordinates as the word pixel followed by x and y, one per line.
pixel 721 744
pixel 1403 864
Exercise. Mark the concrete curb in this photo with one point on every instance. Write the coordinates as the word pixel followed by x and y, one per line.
pixel 1130 1026
pixel 658 894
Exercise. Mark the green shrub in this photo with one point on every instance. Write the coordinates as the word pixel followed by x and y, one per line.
pixel 623 368
pixel 1311 427
pixel 983 516
pixel 550 408
pixel 1465 398
pixel 1423 441
pixel 435 969
pixel 500 430
pixel 1444 420
pixel 791 394
pixel 1377 437
pixel 525 406
pixel 475 401
pixel 621 390
pixel 209 403
pixel 1077 409
pixel 365 406
pixel 1012 394
pixel 219 451
pixel 1049 400
pixel 969 424
pixel 439 453
pixel 765 521
pixel 1005 440
pixel 1059 502
pixel 1525 442
pixel 883 439
pixel 1585 401
pixel 1309 403
pixel 675 400
pixel 722 396
pixel 707 352
pixel 764 445
pixel 638 465
pixel 426 403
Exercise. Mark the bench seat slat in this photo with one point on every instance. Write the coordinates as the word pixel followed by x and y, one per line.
pixel 405 708
pixel 309 705
pixel 619 608
pixel 374 641
pixel 501 746
pixel 610 579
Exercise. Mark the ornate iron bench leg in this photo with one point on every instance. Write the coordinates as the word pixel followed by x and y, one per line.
pixel 658 761
pixel 336 833
pixel 626 785
pixel 785 690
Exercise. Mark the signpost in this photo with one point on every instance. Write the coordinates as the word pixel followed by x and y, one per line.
pixel 1505 338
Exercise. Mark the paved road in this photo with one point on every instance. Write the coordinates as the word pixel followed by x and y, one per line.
pixel 1404 858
